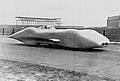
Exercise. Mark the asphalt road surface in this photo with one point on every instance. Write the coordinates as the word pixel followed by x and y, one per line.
pixel 105 61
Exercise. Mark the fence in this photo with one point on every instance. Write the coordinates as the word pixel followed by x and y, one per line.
pixel 8 31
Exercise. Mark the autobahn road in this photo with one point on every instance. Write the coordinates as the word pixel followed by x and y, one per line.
pixel 105 61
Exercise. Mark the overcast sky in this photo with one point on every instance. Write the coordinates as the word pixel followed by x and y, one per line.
pixel 72 12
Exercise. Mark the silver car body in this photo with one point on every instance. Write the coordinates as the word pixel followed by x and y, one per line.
pixel 72 38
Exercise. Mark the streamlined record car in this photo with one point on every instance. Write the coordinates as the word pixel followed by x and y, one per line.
pixel 72 38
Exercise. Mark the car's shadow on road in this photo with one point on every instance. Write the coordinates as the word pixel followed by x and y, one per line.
pixel 63 48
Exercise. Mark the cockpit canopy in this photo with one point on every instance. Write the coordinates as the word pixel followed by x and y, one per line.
pixel 47 27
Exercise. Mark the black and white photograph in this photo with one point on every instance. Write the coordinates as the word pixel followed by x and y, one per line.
pixel 59 40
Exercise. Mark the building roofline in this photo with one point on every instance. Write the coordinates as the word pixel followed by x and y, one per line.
pixel 117 17
pixel 37 18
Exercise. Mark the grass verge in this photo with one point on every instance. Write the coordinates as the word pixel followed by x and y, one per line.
pixel 20 71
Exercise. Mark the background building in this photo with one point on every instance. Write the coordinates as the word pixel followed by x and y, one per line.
pixel 36 22
pixel 113 21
